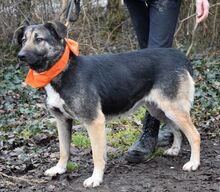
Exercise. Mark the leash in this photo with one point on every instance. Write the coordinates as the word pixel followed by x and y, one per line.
pixel 72 6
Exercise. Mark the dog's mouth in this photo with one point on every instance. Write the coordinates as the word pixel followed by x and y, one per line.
pixel 38 67
pixel 22 63
pixel 34 66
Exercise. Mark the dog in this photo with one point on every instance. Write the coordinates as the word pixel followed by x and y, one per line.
pixel 96 88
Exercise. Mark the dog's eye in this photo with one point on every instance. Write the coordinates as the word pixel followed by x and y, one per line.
pixel 23 41
pixel 38 40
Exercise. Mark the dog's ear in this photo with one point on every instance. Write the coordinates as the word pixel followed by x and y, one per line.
pixel 18 34
pixel 58 29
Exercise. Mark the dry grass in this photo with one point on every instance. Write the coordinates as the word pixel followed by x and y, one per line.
pixel 92 32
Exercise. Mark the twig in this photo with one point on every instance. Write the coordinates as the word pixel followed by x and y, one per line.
pixel 194 30
pixel 191 16
pixel 214 24
pixel 12 6
pixel 111 33
pixel 193 40
pixel 150 158
pixel 30 182
pixel 185 19
pixel 91 47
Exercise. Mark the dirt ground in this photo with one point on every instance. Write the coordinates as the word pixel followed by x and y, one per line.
pixel 160 173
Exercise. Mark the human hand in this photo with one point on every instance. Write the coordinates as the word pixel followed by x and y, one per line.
pixel 202 10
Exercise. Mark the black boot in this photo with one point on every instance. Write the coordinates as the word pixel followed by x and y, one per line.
pixel 143 148
pixel 165 137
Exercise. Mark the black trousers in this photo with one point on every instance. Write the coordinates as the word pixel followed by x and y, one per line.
pixel 154 23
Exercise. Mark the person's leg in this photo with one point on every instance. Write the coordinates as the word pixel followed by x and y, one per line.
pixel 139 14
pixel 163 20
pixel 146 144
pixel 143 148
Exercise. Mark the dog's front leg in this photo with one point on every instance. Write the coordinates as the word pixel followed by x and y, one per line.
pixel 96 131
pixel 64 127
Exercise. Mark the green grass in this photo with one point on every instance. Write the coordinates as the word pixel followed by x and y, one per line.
pixel 72 166
pixel 123 138
pixel 80 140
pixel 158 152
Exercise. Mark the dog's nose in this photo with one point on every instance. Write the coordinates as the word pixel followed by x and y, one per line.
pixel 22 56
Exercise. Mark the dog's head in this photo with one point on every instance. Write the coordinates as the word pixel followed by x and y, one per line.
pixel 42 45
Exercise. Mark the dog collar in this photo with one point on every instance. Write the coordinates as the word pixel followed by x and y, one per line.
pixel 38 80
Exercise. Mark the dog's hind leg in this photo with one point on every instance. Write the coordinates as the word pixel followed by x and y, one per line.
pixel 177 140
pixel 64 127
pixel 178 111
pixel 96 131
pixel 183 120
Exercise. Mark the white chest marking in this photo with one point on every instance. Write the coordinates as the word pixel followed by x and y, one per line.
pixel 54 99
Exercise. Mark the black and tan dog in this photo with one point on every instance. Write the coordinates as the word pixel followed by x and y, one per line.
pixel 96 88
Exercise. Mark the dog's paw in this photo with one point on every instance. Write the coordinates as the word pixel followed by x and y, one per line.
pixel 55 170
pixel 173 151
pixel 191 166
pixel 92 181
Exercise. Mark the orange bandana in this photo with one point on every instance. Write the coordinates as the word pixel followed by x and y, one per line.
pixel 38 80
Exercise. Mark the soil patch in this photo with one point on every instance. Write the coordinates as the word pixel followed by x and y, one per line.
pixel 157 174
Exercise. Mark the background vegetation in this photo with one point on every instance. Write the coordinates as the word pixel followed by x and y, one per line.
pixel 22 109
